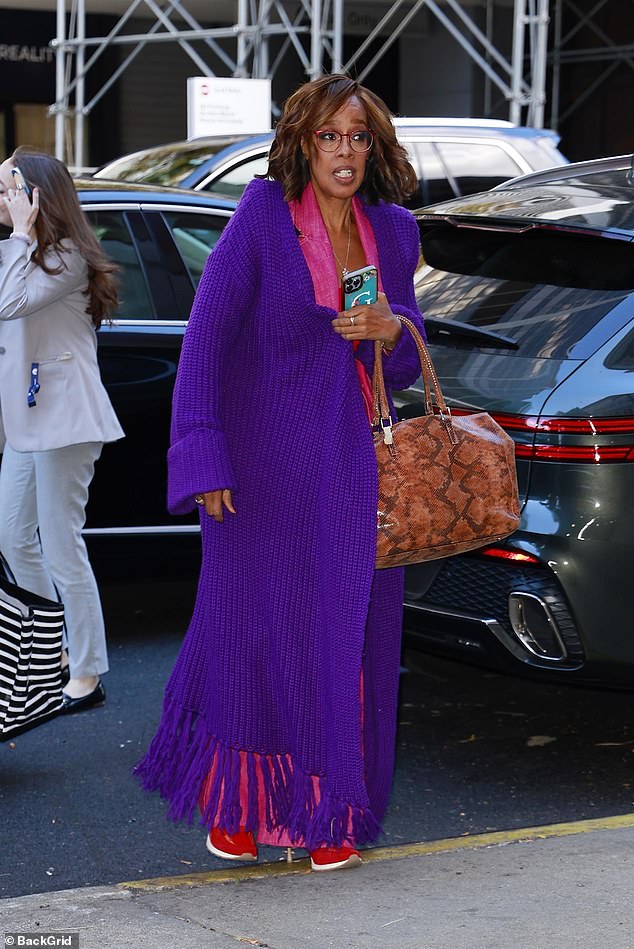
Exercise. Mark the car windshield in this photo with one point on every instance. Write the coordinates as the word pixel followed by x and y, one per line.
pixel 164 166
pixel 556 295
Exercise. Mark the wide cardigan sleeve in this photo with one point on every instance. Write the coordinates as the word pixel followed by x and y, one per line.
pixel 401 367
pixel 198 459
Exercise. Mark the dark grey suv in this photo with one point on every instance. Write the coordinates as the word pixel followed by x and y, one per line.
pixel 528 294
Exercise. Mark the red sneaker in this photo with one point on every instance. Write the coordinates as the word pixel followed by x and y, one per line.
pixel 240 846
pixel 335 858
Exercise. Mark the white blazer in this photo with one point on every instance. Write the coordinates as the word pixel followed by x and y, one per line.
pixel 44 323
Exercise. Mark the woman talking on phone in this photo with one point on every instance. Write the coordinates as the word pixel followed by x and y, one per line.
pixel 279 717
pixel 56 287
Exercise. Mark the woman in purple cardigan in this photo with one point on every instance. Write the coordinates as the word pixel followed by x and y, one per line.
pixel 279 716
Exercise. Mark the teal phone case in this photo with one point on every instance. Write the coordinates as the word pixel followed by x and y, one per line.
pixel 360 286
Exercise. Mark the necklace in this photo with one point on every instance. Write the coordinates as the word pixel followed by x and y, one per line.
pixel 344 267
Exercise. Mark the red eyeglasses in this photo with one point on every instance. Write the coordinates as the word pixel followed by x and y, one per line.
pixel 329 141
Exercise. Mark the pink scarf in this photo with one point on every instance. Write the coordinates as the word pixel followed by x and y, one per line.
pixel 317 250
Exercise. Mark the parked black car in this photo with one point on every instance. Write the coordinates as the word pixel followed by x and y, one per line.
pixel 528 295
pixel 452 157
pixel 161 239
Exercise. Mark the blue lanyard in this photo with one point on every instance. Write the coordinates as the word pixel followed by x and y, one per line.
pixel 35 385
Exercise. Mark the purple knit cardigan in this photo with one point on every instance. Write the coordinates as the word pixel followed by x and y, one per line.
pixel 290 609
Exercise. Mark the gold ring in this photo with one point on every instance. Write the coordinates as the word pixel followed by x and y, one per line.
pixel 352 321
pixel 199 499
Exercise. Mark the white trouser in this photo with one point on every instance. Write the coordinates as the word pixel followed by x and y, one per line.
pixel 43 497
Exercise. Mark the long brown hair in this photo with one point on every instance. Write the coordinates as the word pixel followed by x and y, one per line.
pixel 388 176
pixel 60 216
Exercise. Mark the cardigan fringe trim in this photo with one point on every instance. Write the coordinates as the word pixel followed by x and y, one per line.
pixel 183 756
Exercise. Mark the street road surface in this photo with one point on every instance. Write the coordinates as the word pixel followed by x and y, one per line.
pixel 477 752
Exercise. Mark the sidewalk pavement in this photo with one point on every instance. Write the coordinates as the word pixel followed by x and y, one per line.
pixel 564 886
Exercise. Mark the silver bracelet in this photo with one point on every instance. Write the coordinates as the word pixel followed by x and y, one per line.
pixel 21 237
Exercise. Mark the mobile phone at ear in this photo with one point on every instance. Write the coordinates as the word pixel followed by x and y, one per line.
pixel 20 181
pixel 360 286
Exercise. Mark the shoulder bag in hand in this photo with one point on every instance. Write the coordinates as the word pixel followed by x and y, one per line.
pixel 447 484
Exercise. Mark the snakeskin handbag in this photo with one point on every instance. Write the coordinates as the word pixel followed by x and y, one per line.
pixel 447 484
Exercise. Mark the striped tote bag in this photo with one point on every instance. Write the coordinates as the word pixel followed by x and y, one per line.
pixel 30 659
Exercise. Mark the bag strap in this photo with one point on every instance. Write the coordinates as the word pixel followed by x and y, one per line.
pixel 381 416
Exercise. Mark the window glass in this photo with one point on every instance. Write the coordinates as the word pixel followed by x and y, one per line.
pixel 196 236
pixel 167 164
pixel 530 254
pixel 432 175
pixel 556 295
pixel 34 126
pixel 477 167
pixel 112 231
pixel 622 356
pixel 234 181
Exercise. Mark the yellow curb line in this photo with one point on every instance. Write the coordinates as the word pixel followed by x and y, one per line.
pixel 468 842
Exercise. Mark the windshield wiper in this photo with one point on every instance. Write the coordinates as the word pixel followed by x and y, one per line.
pixel 439 327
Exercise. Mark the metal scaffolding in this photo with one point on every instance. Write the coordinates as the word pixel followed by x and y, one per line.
pixel 311 29
pixel 565 52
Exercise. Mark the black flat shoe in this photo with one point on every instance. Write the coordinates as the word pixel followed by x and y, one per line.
pixel 92 700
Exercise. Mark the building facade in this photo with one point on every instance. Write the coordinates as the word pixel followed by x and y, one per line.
pixel 425 71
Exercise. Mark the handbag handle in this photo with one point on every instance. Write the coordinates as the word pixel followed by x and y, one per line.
pixel 381 416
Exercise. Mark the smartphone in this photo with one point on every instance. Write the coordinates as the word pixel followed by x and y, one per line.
pixel 360 286
pixel 20 181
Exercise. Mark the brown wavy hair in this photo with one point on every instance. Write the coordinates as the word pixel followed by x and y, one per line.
pixel 60 216
pixel 388 176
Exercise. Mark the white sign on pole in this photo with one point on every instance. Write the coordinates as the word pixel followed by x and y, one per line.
pixel 227 106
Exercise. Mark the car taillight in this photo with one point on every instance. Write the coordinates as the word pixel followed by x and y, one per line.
pixel 517 556
pixel 543 448
pixel 622 425
pixel 595 454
